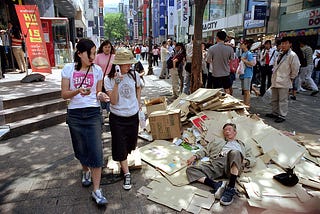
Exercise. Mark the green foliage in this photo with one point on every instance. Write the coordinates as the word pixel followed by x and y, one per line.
pixel 115 27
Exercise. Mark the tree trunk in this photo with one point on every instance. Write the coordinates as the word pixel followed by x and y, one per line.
pixel 196 81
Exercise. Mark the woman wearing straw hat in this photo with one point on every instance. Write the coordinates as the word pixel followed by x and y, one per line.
pixel 123 87
pixel 82 83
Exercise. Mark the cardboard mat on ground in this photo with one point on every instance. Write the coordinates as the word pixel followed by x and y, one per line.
pixel 186 197
pixel 134 162
pixel 165 156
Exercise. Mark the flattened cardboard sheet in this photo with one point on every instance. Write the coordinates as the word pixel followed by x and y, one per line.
pixel 165 156
pixel 203 94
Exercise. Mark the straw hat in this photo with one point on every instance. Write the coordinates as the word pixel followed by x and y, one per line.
pixel 231 34
pixel 124 56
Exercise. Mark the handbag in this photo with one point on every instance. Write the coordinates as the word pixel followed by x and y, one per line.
pixel 241 67
pixel 234 63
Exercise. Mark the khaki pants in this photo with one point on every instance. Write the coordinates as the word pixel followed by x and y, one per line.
pixel 217 168
pixel 19 55
pixel 279 101
pixel 164 72
pixel 175 81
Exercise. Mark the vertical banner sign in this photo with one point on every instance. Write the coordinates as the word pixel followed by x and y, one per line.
pixel 140 24
pixel 155 15
pixel 145 22
pixel 31 27
pixel 162 17
pixel 185 13
pixel 135 30
pixel 171 16
pixel 130 19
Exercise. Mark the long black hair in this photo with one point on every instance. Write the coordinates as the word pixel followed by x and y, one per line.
pixel 104 43
pixel 82 46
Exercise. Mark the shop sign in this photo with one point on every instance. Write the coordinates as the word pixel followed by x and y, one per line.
pixel 260 12
pixel 35 44
pixel 314 17
pixel 213 25
pixel 250 23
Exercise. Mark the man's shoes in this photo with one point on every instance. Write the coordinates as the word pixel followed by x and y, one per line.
pixel 98 197
pixel 279 120
pixel 301 89
pixel 219 189
pixel 271 115
pixel 86 178
pixel 227 196
pixel 127 182
pixel 292 97
pixel 314 93
pixel 161 77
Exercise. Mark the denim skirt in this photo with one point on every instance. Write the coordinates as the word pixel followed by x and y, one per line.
pixel 124 133
pixel 85 130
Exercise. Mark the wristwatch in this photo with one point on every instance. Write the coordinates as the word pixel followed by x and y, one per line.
pixel 117 80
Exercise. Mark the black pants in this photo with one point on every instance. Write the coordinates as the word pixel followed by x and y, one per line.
pixel 266 73
pixel 155 60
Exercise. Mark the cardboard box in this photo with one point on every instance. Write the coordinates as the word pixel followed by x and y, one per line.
pixel 165 124
pixel 155 104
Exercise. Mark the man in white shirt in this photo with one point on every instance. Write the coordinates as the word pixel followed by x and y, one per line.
pixel 164 55
pixel 187 77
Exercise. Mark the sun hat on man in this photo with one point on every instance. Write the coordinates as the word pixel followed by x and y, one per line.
pixel 124 56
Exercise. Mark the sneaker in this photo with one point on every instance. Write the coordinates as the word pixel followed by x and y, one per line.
pixel 314 93
pixel 98 197
pixel 86 178
pixel 227 196
pixel 127 182
pixel 301 89
pixel 219 189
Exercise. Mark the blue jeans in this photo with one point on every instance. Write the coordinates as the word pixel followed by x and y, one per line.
pixel 85 130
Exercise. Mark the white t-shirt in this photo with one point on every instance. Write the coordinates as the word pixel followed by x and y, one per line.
pixel 75 78
pixel 127 102
pixel 231 145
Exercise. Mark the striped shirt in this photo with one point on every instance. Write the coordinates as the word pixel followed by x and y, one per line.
pixel 16 43
pixel 307 52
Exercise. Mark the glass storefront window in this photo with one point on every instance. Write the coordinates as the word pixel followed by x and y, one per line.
pixel 310 3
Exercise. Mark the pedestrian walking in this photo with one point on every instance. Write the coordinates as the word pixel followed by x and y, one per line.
pixel 248 60
pixel 17 49
pixel 164 53
pixel 104 59
pixel 187 77
pixel 155 55
pixel 306 71
pixel 285 70
pixel 123 88
pixel 82 84
pixel 219 56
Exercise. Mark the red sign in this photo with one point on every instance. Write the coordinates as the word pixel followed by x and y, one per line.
pixel 35 44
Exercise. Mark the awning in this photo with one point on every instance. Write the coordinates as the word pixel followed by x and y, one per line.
pixel 66 7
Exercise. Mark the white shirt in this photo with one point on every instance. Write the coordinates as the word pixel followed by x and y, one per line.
pixel 231 145
pixel 75 78
pixel 189 52
pixel 127 100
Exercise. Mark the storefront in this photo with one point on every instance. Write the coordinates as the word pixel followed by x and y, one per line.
pixel 305 23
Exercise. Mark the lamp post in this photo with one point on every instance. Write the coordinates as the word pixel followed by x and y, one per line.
pixel 150 69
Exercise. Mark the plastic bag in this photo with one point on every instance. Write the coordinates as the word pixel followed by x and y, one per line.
pixel 142 120
pixel 241 67
pixel 267 96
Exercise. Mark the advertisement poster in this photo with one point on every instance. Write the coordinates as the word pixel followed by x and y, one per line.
pixel 35 44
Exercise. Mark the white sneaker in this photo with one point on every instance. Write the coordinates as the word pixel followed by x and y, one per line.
pixel 127 182
pixel 86 178
pixel 98 197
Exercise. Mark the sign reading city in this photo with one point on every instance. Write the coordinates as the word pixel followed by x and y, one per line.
pixel 32 30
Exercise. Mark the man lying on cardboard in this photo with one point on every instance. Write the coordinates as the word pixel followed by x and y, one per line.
pixel 226 159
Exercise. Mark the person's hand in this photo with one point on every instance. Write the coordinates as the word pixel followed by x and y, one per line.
pixel 103 97
pixel 118 77
pixel 191 160
pixel 84 91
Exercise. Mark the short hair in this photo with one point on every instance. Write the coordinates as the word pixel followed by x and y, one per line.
pixel 267 41
pixel 230 124
pixel 221 35
pixel 286 39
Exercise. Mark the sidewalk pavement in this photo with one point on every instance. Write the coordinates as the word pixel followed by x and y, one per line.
pixel 39 174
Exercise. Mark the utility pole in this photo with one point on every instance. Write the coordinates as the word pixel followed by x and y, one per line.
pixel 150 69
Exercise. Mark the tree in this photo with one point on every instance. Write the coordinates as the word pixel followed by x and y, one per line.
pixel 115 27
pixel 196 81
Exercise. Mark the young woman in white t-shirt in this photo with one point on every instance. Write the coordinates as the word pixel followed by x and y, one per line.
pixel 123 87
pixel 81 84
